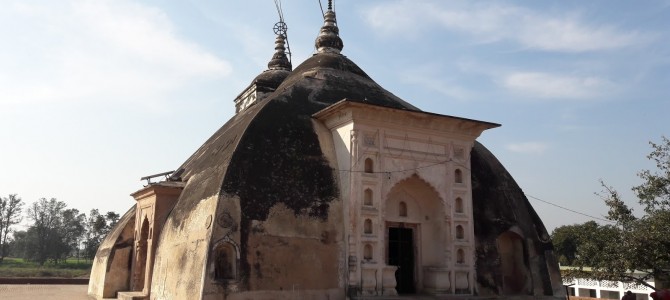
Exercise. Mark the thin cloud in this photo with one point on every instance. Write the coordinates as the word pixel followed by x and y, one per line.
pixel 527 147
pixel 430 78
pixel 493 22
pixel 88 50
pixel 552 86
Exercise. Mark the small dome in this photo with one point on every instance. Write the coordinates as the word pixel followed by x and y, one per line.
pixel 271 78
pixel 279 66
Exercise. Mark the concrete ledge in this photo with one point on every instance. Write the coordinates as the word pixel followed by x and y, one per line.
pixel 42 280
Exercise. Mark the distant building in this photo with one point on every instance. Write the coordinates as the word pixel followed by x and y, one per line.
pixel 607 289
pixel 324 185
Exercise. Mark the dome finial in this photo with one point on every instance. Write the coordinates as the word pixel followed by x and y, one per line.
pixel 279 60
pixel 329 40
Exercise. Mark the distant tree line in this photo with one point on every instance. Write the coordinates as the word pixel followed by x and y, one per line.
pixel 54 233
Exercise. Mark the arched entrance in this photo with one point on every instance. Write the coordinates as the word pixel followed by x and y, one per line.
pixel 141 249
pixel 514 271
pixel 415 232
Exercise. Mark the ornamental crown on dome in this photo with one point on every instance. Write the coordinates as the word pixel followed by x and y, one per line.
pixel 279 59
pixel 329 40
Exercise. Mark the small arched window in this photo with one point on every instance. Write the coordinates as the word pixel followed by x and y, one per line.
pixel 458 176
pixel 225 262
pixel 460 233
pixel 367 252
pixel 367 226
pixel 367 197
pixel 460 256
pixel 369 165
pixel 458 203
pixel 402 209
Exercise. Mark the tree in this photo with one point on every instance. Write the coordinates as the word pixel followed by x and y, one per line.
pixel 73 230
pixel 97 227
pixel 568 239
pixel 10 215
pixel 654 192
pixel 44 237
pixel 17 246
pixel 636 243
pixel 111 218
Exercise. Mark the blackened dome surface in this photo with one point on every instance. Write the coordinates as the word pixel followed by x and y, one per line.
pixel 327 78
pixel 499 205
pixel 498 198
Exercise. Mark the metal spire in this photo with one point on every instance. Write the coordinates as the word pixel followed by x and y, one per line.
pixel 281 29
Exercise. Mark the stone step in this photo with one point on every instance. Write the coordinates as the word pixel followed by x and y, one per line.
pixel 131 296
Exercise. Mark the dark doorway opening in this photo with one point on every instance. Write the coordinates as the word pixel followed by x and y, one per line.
pixel 401 254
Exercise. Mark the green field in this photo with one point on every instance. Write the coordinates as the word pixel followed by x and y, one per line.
pixel 18 267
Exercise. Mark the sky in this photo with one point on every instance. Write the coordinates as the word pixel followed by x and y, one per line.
pixel 96 94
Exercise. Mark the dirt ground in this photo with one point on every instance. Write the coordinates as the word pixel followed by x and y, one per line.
pixel 43 291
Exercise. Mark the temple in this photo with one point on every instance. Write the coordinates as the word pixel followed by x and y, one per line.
pixel 324 185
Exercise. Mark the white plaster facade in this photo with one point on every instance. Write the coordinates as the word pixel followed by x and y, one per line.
pixel 407 170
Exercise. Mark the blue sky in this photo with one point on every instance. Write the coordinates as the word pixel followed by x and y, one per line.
pixel 96 94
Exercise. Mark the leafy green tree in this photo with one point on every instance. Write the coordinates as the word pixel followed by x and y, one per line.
pixel 635 243
pixel 10 215
pixel 565 239
pixel 111 218
pixel 73 230
pixel 44 237
pixel 568 238
pixel 654 192
pixel 17 247
pixel 97 227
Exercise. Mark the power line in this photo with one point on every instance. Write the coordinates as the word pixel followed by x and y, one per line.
pixel 279 10
pixel 570 210
pixel 321 6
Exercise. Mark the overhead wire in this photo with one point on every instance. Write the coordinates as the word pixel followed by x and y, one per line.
pixel 568 209
pixel 321 6
pixel 279 10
